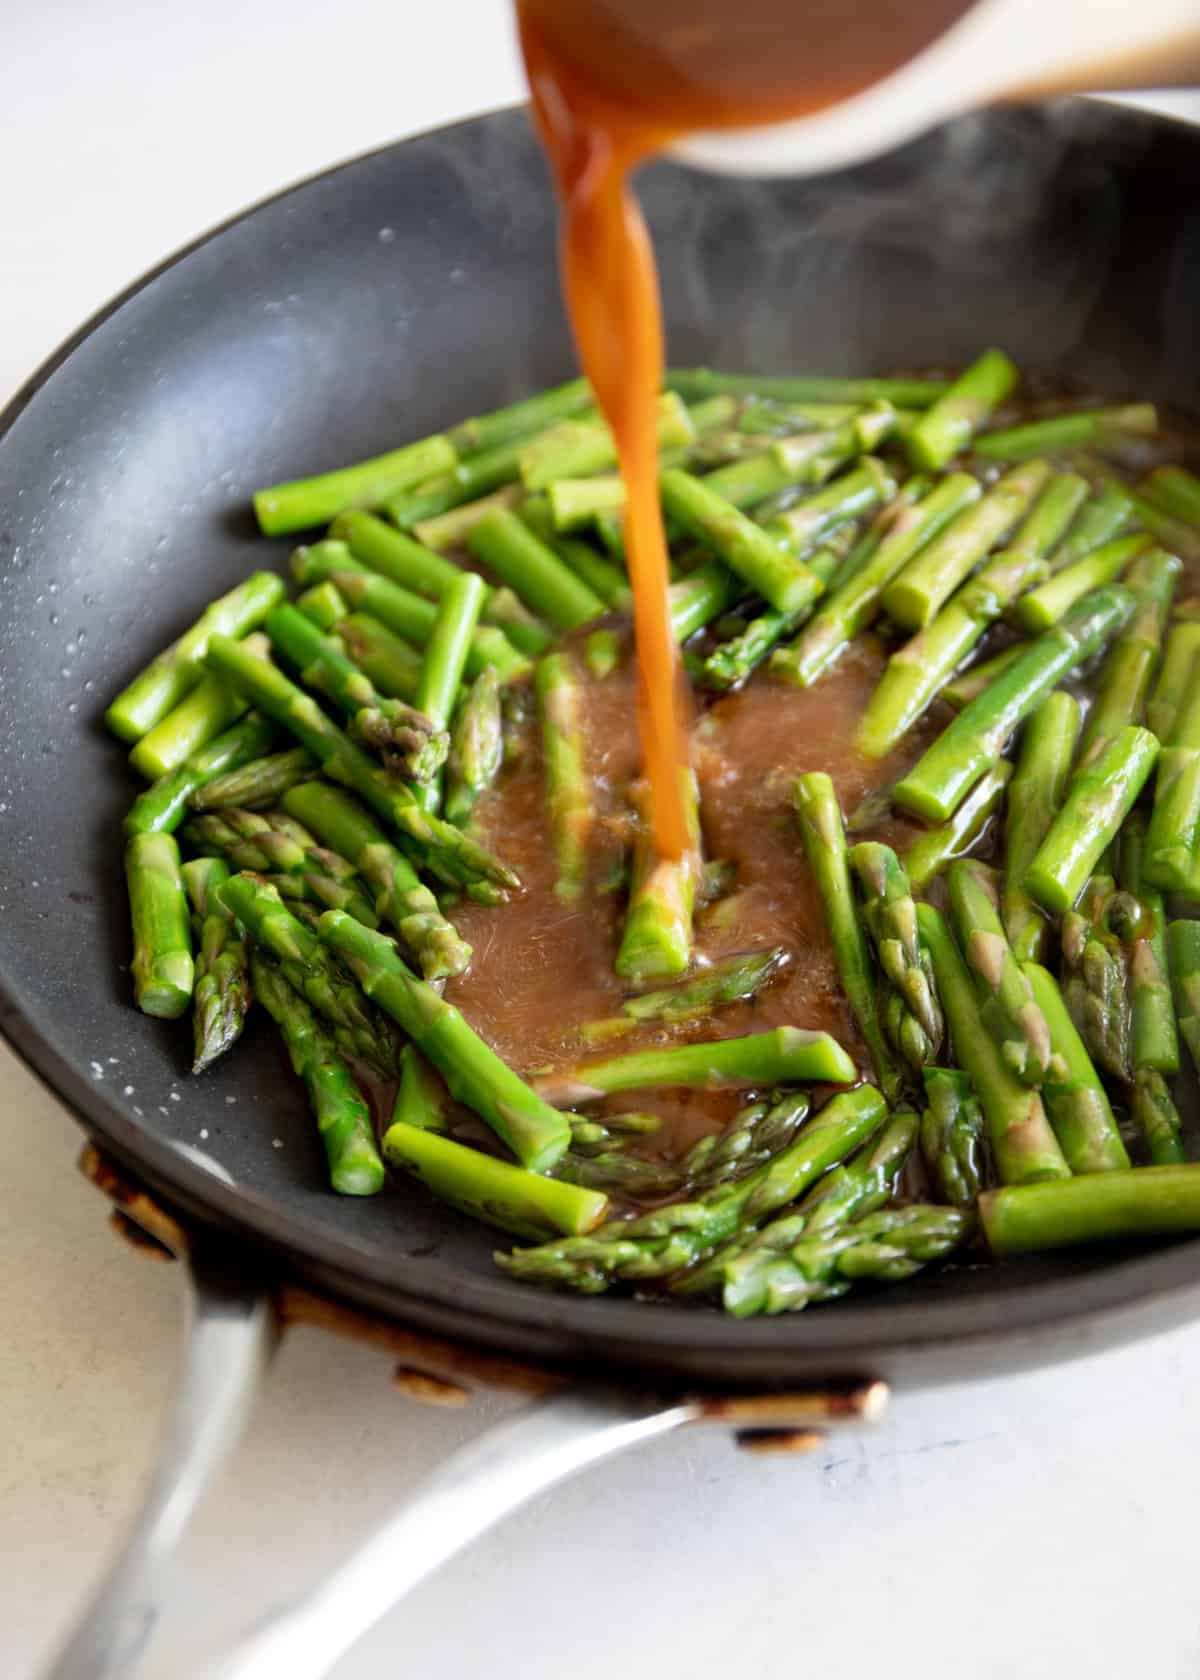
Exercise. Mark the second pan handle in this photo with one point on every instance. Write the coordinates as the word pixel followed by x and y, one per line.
pixel 544 1444
pixel 550 1440
pixel 231 1333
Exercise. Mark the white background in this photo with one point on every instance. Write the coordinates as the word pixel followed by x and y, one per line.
pixel 1044 1525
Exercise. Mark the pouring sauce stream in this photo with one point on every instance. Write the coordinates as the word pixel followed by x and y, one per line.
pixel 612 82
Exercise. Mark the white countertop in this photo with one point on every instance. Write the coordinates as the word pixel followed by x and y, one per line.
pixel 1042 1525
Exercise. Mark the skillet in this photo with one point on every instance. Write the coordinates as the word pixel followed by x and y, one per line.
pixel 374 304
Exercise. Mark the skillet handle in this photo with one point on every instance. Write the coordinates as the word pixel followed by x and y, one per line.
pixel 231 1333
pixel 544 1444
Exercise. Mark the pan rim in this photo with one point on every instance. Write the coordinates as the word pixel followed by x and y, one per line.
pixel 645 1333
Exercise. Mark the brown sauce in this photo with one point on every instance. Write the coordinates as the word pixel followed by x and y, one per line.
pixel 613 81
pixel 542 971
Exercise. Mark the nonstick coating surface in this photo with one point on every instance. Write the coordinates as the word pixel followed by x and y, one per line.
pixel 370 306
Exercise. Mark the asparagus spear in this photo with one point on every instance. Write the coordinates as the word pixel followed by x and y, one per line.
pixel 702 596
pixel 536 1133
pixel 656 941
pixel 575 448
pixel 1175 490
pixel 400 897
pixel 519 419
pixel 512 552
pixel 853 605
pixel 568 785
pixel 950 423
pixel 409 740
pixel 766 415
pixel 807 457
pixel 221 997
pixel 601 576
pixel 1172 858
pixel 890 915
pixel 932 851
pixel 1183 947
pixel 1133 659
pixel 745 1268
pixel 452 528
pixel 1075 1098
pixel 1068 431
pixel 815 803
pixel 971 684
pixel 476 747
pixel 1177 674
pixel 931 577
pixel 577 502
pixel 485 470
pixel 343 1118
pixel 888 1245
pixel 602 652
pixel 800 528
pixel 728 980
pixel 785 582
pixel 205 712
pixel 446 851
pixel 756 1134
pixel 314 501
pixel 1036 793
pixel 916 673
pixel 1174 534
pixel 162 968
pixel 1023 1145
pixel 975 739
pixel 614 1132
pixel 782 1056
pixel 676 1236
pixel 1101 1207
pixel 731 663
pixel 408 616
pixel 277 844
pixel 1045 605
pixel 1106 515
pixel 953 1141
pixel 391 663
pixel 1153 1111
pixel 309 969
pixel 1154 1040
pixel 420 1095
pixel 445 657
pixel 258 782
pixel 393 554
pixel 694 383
pixel 165 681
pixel 1096 982
pixel 1099 798
pixel 161 808
pixel 620 1174
pixel 515 1199
pixel 1006 1002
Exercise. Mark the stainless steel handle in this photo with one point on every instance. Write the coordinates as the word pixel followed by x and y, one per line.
pixel 230 1336
pixel 544 1444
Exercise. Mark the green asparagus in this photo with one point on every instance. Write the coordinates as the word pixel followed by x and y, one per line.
pixel 1036 793
pixel 536 1133
pixel 974 741
pixel 400 897
pixel 343 1118
pixel 1023 1146
pixel 815 802
pixel 671 1238
pixel 162 967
